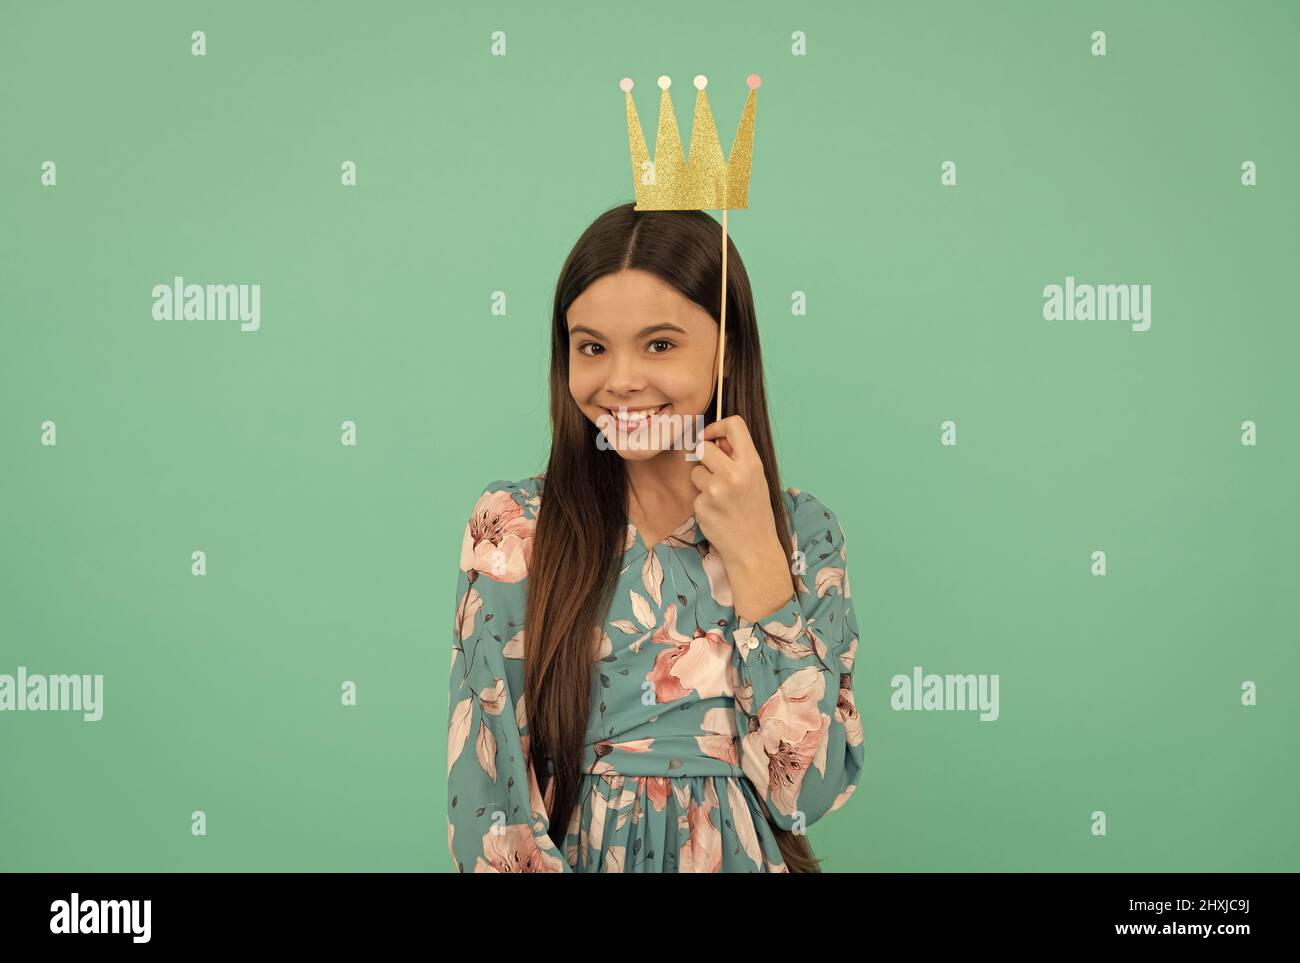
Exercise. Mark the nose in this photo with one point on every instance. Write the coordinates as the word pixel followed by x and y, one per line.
pixel 624 376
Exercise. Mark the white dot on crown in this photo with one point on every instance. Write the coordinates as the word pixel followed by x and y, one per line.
pixel 701 82
pixel 664 82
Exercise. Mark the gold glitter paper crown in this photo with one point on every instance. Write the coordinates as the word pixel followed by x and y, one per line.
pixel 707 183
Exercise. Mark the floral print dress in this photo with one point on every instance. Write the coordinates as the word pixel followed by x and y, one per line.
pixel 705 730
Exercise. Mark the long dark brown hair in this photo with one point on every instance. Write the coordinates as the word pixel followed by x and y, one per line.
pixel 582 522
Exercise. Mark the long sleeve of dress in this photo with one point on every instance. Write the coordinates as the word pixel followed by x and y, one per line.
pixel 801 740
pixel 497 821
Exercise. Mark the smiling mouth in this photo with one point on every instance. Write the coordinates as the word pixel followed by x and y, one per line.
pixel 650 413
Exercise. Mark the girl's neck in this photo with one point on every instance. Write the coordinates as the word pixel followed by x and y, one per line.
pixel 663 483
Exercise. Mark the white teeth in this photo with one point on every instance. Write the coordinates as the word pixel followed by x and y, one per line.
pixel 638 415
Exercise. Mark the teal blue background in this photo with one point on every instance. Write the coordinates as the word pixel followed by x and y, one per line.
pixel 476 174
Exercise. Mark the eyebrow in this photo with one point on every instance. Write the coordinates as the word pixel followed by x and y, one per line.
pixel 662 326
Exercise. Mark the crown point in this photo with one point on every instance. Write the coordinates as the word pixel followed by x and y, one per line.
pixel 664 82
pixel 626 84
pixel 701 81
pixel 754 81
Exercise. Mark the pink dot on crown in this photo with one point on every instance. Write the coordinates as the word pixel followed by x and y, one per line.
pixel 754 80
pixel 626 84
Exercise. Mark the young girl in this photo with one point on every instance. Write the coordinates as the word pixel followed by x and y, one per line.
pixel 663 636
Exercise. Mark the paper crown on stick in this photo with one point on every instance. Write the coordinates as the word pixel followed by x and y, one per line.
pixel 707 182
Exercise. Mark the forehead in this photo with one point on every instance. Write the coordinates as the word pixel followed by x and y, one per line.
pixel 627 300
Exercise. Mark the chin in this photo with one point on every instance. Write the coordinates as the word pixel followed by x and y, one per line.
pixel 628 454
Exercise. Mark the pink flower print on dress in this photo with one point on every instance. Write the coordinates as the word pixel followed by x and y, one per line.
pixel 697 664
pixel 791 736
pixel 498 540
pixel 514 849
